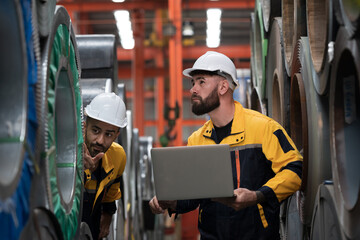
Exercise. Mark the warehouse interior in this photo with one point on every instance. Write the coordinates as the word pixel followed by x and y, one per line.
pixel 297 61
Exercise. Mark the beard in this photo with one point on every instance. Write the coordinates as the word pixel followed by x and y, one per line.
pixel 206 105
pixel 99 148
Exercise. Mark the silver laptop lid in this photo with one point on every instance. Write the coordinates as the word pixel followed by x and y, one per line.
pixel 192 172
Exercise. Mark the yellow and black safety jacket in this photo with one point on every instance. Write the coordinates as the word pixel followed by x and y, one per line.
pixel 102 187
pixel 265 159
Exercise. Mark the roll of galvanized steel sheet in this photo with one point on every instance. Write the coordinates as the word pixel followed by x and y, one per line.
pixel 98 56
pixel 345 131
pixel 347 14
pixel 14 96
pixel 252 48
pixel 294 228
pixel 277 80
pixel 60 126
pixel 270 9
pixel 92 87
pixel 293 13
pixel 145 183
pixel 319 15
pixel 309 128
pixel 325 223
pixel 42 225
pixel 256 103
pixel 45 10
pixel 18 114
pixel 145 178
pixel 260 51
pixel 121 92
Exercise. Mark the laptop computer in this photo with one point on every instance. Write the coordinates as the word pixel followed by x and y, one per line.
pixel 192 172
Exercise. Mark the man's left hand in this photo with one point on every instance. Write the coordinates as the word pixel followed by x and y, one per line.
pixel 105 222
pixel 242 198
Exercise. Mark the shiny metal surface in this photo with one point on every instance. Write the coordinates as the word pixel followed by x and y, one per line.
pixel 277 80
pixel 325 223
pixel 319 15
pixel 13 92
pixel 345 131
pixel 66 136
pixel 145 175
pixel 98 56
pixel 91 87
pixel 316 155
pixel 255 102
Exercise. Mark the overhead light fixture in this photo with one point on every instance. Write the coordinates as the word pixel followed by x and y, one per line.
pixel 118 1
pixel 123 24
pixel 188 29
pixel 213 29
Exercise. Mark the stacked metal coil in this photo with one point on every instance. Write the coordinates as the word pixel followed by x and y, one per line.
pixel 325 222
pixel 260 51
pixel 59 186
pixel 344 110
pixel 320 29
pixel 294 26
pixel 317 47
pixel 18 114
pixel 277 80
pixel 309 129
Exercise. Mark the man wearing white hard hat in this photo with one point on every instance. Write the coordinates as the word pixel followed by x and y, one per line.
pixel 104 161
pixel 266 165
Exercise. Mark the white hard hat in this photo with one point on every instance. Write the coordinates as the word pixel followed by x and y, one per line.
pixel 109 108
pixel 215 62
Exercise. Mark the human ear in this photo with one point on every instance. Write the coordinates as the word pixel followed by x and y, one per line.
pixel 224 86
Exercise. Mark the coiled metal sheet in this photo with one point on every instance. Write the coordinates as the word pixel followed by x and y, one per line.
pixel 90 88
pixel 347 13
pixel 277 80
pixel 14 96
pixel 45 14
pixel 345 131
pixel 320 32
pixel 60 128
pixel 17 115
pixel 98 56
pixel 325 223
pixel 270 9
pixel 294 229
pixel 309 128
pixel 256 103
pixel 42 225
pixel 260 51
pixel 293 26
pixel 252 48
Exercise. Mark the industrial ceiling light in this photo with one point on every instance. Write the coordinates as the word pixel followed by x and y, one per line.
pixel 123 24
pixel 213 30
pixel 188 29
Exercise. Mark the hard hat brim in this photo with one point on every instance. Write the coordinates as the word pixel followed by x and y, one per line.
pixel 188 71
pixel 120 125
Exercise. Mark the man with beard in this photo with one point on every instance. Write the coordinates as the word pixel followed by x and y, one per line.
pixel 266 165
pixel 104 161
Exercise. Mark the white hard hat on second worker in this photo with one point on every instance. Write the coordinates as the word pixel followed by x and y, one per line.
pixel 215 62
pixel 109 108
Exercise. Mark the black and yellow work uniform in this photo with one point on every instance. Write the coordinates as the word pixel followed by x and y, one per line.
pixel 264 159
pixel 102 187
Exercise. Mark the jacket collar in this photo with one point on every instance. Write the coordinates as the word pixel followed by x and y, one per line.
pixel 107 164
pixel 237 128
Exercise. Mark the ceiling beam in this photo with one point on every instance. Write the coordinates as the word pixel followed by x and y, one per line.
pixel 101 6
pixel 193 52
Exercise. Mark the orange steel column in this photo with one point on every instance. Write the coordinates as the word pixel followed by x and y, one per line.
pixel 175 66
pixel 137 71
pixel 159 88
